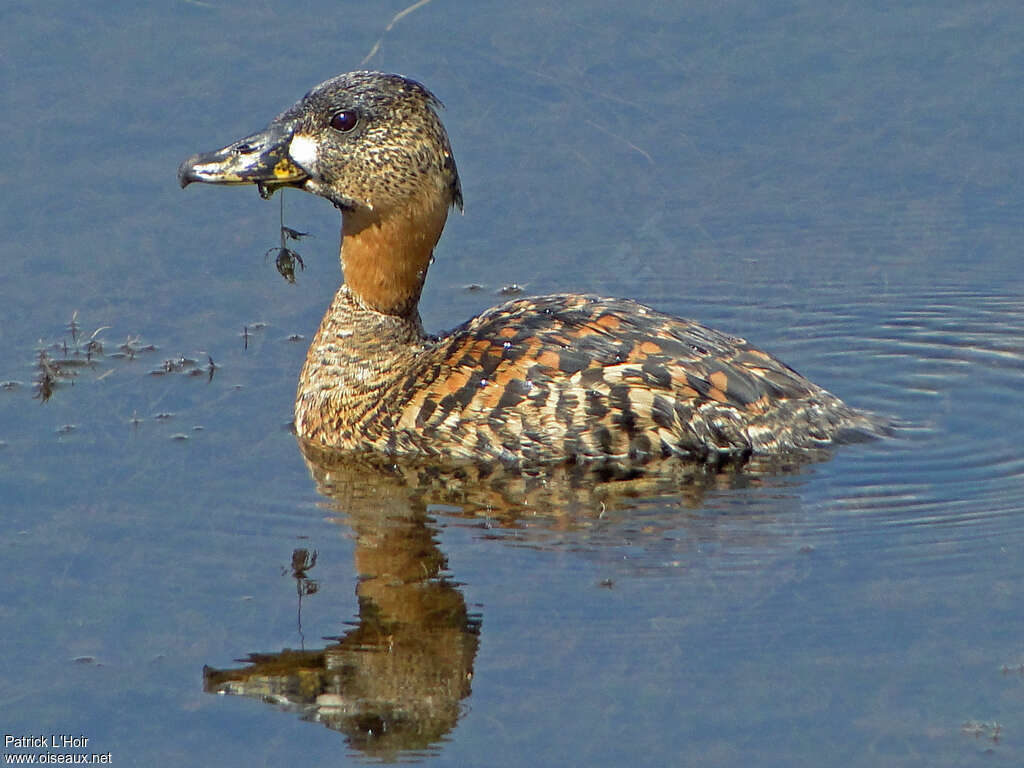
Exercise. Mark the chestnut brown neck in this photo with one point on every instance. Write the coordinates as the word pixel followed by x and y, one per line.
pixel 385 253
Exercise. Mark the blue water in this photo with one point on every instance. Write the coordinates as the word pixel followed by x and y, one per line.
pixel 838 184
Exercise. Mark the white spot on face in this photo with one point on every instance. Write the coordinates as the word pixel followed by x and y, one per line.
pixel 302 151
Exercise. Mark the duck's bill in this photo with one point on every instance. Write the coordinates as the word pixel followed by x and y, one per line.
pixel 261 159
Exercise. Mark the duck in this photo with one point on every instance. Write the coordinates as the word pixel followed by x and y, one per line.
pixel 559 378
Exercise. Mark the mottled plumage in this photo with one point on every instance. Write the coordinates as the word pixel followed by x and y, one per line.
pixel 533 381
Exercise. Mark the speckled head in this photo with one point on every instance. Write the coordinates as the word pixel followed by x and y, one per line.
pixel 373 140
pixel 361 140
pixel 372 144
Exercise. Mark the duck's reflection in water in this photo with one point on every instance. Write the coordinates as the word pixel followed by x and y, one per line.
pixel 395 682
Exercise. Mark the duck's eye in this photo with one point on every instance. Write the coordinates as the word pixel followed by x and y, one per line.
pixel 345 120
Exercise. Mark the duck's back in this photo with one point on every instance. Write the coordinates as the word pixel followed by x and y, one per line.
pixel 581 377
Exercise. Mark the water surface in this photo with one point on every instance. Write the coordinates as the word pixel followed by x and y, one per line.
pixel 837 184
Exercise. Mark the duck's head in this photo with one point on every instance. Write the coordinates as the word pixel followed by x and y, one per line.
pixel 372 144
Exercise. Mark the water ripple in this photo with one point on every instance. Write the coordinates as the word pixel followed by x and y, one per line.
pixel 947 488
